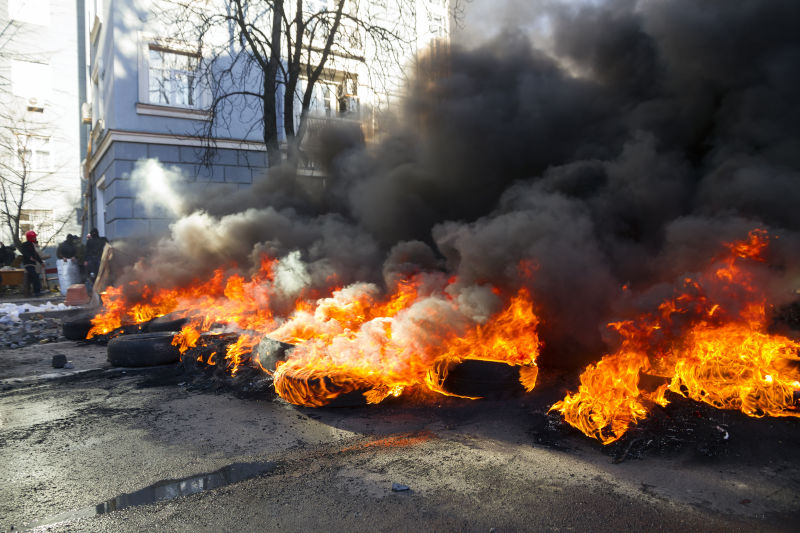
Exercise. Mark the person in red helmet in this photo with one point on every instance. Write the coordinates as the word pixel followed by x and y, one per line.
pixel 30 257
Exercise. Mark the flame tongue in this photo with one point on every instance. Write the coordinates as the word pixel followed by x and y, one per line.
pixel 409 348
pixel 223 295
pixel 354 340
pixel 608 400
pixel 720 356
pixel 733 367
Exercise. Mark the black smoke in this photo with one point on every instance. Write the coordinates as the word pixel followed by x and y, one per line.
pixel 610 143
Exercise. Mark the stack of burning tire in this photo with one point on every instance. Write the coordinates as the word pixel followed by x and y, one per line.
pixel 151 343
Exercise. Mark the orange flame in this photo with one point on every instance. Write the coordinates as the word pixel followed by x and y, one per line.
pixel 225 300
pixel 119 310
pixel 353 341
pixel 711 353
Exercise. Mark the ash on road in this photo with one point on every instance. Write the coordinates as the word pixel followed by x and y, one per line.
pixel 71 442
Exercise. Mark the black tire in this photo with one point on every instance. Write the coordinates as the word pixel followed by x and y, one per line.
pixel 207 344
pixel 270 351
pixel 144 349
pixel 345 398
pixel 471 378
pixel 76 329
pixel 483 379
pixel 165 323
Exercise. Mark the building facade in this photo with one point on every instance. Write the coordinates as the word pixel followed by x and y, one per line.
pixel 148 100
pixel 41 136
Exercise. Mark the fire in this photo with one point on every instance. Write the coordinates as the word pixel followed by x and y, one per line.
pixel 710 341
pixel 355 341
pixel 226 300
pixel 120 309
pixel 733 367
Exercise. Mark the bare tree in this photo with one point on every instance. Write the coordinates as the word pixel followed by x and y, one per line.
pixel 25 172
pixel 266 58
pixel 33 164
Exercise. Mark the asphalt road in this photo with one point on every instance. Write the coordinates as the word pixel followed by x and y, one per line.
pixel 71 442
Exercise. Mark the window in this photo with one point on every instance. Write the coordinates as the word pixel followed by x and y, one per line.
pixel 30 11
pixel 34 155
pixel 38 220
pixel 332 99
pixel 172 78
pixel 436 25
pixel 30 80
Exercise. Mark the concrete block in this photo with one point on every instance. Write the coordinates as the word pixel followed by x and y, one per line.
pixel 119 169
pixel 129 151
pixel 214 189
pixel 191 154
pixel 164 153
pixel 127 228
pixel 187 171
pixel 119 208
pixel 102 167
pixel 226 156
pixel 140 210
pixel 120 187
pixel 238 175
pixel 213 173
pixel 252 159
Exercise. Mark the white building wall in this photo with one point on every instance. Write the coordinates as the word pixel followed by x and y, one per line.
pixel 39 93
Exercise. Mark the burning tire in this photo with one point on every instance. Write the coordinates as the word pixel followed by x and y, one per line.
pixel 166 323
pixel 469 378
pixel 483 379
pixel 144 349
pixel 320 391
pixel 76 329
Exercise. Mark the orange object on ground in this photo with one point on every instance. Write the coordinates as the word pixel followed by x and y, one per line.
pixel 77 295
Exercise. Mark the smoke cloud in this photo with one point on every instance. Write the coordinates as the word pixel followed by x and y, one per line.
pixel 608 144
pixel 157 190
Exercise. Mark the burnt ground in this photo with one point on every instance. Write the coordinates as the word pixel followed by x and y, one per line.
pixel 71 442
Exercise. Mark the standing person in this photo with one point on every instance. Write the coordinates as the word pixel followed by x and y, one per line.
pixel 94 252
pixel 80 256
pixel 7 254
pixel 30 258
pixel 67 250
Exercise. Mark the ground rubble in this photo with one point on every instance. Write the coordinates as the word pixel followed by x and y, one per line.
pixel 26 332
pixel 34 321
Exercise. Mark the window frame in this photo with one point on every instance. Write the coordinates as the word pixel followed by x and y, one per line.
pixel 200 94
pixel 30 155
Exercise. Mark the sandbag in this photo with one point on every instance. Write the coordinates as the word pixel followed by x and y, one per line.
pixel 68 274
